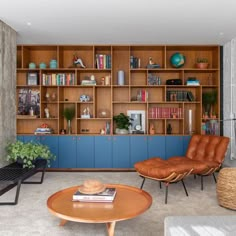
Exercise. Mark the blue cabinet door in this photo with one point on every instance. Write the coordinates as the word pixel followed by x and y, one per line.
pixel 33 138
pixel 52 143
pixel 138 149
pixel 103 152
pixel 156 146
pixel 67 152
pixel 174 146
pixel 20 138
pixel 121 151
pixel 85 152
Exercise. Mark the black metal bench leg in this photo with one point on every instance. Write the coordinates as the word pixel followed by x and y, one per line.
pixel 160 184
pixel 166 196
pixel 142 182
pixel 214 177
pixel 16 196
pixel 36 182
pixel 184 188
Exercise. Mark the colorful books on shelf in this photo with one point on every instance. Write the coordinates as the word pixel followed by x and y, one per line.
pixel 108 195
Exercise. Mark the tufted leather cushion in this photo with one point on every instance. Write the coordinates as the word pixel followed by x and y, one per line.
pixel 207 148
pixel 158 168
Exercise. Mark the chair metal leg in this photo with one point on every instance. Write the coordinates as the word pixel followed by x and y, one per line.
pixel 184 188
pixel 142 182
pixel 160 184
pixel 201 182
pixel 166 196
pixel 214 177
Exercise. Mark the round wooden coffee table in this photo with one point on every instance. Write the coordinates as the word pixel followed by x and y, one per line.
pixel 128 203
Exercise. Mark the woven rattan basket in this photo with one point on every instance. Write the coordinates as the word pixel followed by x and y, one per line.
pixel 226 188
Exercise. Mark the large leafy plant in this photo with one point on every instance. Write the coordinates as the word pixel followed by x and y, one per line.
pixel 28 153
pixel 122 121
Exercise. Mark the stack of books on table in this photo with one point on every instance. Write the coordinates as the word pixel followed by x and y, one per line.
pixel 108 195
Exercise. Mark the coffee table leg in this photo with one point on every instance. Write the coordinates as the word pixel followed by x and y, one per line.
pixel 111 228
pixel 63 222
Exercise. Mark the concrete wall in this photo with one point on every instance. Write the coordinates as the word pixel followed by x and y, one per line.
pixel 7 87
pixel 229 98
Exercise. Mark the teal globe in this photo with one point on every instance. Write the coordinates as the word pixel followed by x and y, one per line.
pixel 177 60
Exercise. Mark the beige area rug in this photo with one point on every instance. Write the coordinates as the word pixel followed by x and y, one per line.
pixel 31 217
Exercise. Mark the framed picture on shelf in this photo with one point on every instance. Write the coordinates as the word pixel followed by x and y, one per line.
pixel 138 121
pixel 28 99
pixel 32 78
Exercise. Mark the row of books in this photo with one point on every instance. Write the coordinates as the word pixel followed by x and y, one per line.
pixel 103 61
pixel 134 62
pixel 58 79
pixel 108 195
pixel 165 112
pixel 142 95
pixel 179 95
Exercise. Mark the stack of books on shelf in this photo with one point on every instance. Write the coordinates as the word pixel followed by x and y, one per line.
pixel 192 82
pixel 43 131
pixel 108 195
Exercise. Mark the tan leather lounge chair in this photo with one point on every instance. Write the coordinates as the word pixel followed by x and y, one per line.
pixel 204 156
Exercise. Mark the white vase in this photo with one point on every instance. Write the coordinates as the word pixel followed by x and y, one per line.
pixel 121 131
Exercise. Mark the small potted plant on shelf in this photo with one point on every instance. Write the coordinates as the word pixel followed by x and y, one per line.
pixel 122 123
pixel 202 63
pixel 27 153
pixel 69 113
pixel 209 99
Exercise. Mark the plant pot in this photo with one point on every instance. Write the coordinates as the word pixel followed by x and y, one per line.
pixel 202 65
pixel 121 131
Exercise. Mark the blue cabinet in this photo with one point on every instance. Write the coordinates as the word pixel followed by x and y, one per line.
pixel 103 152
pixel 33 138
pixel 156 146
pixel 67 152
pixel 138 149
pixel 52 143
pixel 20 138
pixel 121 151
pixel 174 146
pixel 85 152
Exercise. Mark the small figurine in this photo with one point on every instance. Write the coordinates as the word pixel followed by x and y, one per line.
pixel 152 130
pixel 47 96
pixel 78 61
pixel 46 110
pixel 152 64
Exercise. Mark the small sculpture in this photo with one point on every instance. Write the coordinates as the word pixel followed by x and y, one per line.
pixel 46 110
pixel 78 61
pixel 152 64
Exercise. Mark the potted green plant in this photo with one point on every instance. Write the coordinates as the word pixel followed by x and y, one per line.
pixel 69 113
pixel 122 123
pixel 27 153
pixel 209 99
pixel 202 63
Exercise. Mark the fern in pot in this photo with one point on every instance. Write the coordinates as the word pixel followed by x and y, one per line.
pixel 27 153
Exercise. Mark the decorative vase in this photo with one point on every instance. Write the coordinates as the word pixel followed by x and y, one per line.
pixel 121 131
pixel 69 128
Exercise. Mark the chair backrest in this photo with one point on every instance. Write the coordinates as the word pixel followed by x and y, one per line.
pixel 207 147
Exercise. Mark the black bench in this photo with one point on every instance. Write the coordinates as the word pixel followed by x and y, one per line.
pixel 14 175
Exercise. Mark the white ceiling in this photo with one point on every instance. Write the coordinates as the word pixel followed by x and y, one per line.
pixel 121 21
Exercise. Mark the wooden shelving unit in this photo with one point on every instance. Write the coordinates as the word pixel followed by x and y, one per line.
pixel 114 98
